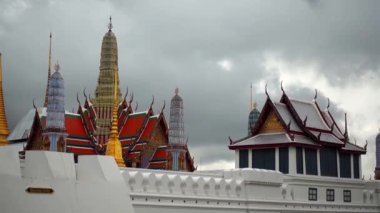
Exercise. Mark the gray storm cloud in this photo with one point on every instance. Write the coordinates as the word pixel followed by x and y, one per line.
pixel 165 44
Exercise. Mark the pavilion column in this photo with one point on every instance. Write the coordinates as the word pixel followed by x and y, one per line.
pixel 318 162
pixel 304 161
pixel 338 162
pixel 360 166
pixel 277 159
pixel 237 159
pixel 352 165
pixel 292 161
pixel 250 163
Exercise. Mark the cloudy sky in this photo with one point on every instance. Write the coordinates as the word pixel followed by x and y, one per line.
pixel 212 50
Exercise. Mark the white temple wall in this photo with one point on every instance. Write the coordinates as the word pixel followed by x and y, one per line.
pixel 96 184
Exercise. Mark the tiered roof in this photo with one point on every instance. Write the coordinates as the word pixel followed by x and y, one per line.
pixel 292 122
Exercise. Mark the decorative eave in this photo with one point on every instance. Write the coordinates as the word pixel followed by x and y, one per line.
pixel 267 108
pixel 36 126
pixel 333 119
pixel 273 145
pixel 301 123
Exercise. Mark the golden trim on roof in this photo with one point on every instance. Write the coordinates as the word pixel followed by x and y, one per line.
pixel 4 131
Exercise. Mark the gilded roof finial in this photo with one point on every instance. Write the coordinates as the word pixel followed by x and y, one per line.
pixel 110 26
pixel 114 146
pixel 253 103
pixel 176 91
pixel 251 98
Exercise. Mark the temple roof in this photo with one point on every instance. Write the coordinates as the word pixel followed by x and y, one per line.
pixel 22 130
pixel 295 122
pixel 309 110
pixel 287 116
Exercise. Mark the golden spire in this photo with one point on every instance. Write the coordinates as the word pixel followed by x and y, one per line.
pixel 4 131
pixel 252 104
pixel 114 145
pixel 49 74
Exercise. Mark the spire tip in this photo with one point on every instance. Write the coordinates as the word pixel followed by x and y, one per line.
pixel 110 26
pixel 57 67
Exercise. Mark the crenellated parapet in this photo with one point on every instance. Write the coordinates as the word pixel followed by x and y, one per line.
pixel 182 184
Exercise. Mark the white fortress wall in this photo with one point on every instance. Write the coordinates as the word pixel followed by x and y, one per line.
pixel 95 186
pixel 242 190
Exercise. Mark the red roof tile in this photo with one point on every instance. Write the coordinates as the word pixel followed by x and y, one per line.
pixel 132 155
pixel 160 154
pixel 148 128
pixel 74 126
pixel 133 124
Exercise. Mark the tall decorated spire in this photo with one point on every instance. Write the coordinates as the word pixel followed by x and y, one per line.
pixel 176 131
pixel 253 114
pixel 177 146
pixel 114 145
pixel 4 131
pixel 377 167
pixel 55 112
pixel 104 92
pixel 49 74
pixel 251 102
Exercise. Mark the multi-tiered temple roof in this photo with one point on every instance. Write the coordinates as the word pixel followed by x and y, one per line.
pixel 295 122
pixel 296 137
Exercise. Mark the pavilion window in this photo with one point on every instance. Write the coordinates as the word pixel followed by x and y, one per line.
pixel 313 194
pixel 330 195
pixel 243 158
pixel 356 166
pixel 347 196
pixel 328 162
pixel 264 159
pixel 345 165
pixel 284 160
pixel 311 162
pixel 299 156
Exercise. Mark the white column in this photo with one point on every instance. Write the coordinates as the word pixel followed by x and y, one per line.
pixel 352 165
pixel 292 161
pixel 304 161
pixel 277 159
pixel 237 159
pixel 249 158
pixel 360 166
pixel 318 163
pixel 338 162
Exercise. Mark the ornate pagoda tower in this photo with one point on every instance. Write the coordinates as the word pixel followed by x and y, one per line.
pixel 253 115
pixel 177 145
pixel 4 131
pixel 377 168
pixel 55 132
pixel 104 94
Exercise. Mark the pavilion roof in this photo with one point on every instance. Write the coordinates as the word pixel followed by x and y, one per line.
pixel 299 123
